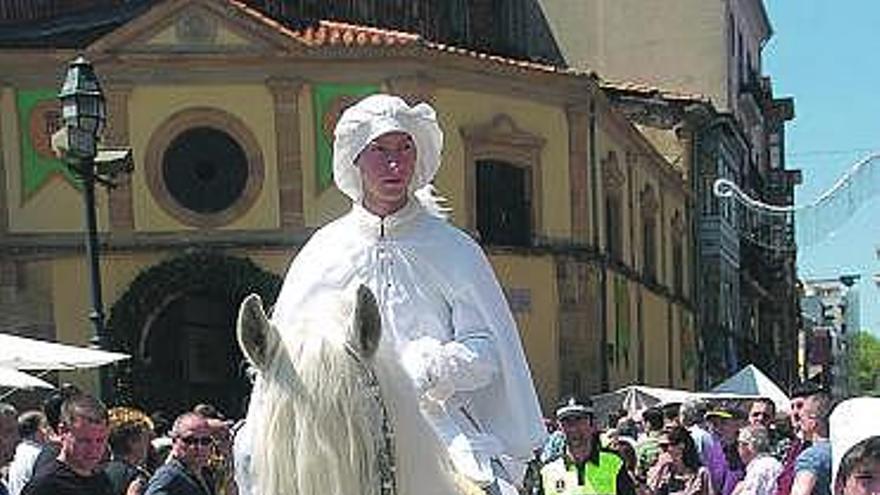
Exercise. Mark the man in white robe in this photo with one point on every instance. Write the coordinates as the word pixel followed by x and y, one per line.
pixel 441 305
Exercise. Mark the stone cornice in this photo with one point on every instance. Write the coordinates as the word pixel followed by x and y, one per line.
pixel 57 243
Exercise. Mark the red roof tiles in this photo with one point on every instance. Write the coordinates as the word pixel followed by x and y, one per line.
pixel 335 34
pixel 647 90
pixel 339 33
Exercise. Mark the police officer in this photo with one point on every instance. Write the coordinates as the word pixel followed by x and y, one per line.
pixel 583 468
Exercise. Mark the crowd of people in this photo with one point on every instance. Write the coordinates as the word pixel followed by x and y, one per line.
pixel 695 448
pixel 75 445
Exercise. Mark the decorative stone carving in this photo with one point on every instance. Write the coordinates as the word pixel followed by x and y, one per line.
pixel 194 27
pixel 612 175
pixel 648 201
pixel 677 224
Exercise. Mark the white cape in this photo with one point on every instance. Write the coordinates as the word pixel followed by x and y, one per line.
pixel 433 282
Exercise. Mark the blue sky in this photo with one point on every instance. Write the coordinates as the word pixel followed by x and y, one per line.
pixel 825 55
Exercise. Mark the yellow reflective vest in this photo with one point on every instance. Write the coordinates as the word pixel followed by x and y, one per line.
pixel 557 478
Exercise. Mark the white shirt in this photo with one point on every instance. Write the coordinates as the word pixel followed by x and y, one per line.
pixel 21 469
pixel 761 474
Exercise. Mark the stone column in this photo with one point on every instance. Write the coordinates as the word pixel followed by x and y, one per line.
pixel 578 171
pixel 9 280
pixel 579 326
pixel 6 105
pixel 285 93
pixel 121 207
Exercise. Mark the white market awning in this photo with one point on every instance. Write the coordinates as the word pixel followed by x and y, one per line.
pixel 24 353
pixel 10 378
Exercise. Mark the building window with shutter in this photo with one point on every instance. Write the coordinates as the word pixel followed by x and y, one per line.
pixel 650 206
pixel 614 182
pixel 503 182
pixel 614 226
pixel 503 204
pixel 649 246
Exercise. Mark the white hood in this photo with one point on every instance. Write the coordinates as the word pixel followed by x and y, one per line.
pixel 374 116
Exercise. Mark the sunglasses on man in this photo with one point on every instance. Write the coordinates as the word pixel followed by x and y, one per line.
pixel 193 440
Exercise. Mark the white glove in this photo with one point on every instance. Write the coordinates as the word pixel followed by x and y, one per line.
pixel 440 369
pixel 417 358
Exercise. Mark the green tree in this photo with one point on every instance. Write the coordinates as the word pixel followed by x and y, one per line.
pixel 864 368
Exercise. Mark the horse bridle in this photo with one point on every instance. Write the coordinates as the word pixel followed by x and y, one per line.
pixel 387 466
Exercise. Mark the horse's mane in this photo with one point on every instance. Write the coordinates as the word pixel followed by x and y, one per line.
pixel 320 432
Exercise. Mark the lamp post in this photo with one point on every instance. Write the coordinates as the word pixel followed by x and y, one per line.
pixel 83 114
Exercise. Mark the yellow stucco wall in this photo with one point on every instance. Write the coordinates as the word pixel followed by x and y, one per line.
pixel 623 370
pixel 457 109
pixel 150 106
pixel 538 327
pixel 274 261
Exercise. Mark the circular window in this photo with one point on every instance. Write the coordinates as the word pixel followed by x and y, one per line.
pixel 204 167
pixel 205 170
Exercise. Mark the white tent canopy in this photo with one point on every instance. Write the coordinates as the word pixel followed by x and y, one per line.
pixel 635 398
pixel 10 378
pixel 752 382
pixel 23 353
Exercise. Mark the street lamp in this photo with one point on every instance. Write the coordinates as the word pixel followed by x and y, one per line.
pixel 83 114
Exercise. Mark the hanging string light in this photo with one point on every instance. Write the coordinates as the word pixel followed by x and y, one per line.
pixel 770 226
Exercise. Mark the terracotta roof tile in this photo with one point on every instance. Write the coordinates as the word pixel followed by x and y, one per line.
pixel 648 90
pixel 523 64
pixel 334 33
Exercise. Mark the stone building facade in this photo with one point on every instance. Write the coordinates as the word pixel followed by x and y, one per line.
pixel 228 111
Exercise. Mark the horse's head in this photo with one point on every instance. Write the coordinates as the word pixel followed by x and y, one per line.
pixel 333 411
pixel 322 426
pixel 260 340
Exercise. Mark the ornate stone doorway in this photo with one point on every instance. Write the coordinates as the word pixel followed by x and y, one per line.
pixel 177 320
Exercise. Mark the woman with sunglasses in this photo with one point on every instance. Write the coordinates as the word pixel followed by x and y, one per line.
pixel 678 470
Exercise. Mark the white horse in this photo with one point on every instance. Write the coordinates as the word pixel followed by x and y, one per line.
pixel 337 415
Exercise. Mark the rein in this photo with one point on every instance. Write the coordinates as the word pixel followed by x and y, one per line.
pixel 386 464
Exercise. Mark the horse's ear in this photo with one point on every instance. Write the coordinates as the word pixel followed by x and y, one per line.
pixel 257 338
pixel 367 323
